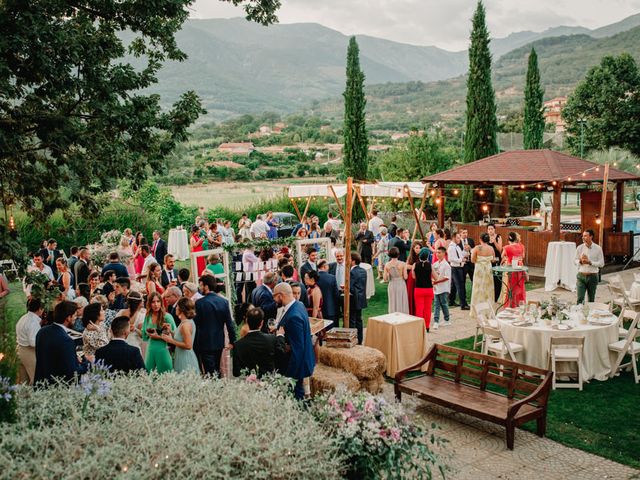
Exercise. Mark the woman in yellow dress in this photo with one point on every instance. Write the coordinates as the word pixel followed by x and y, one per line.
pixel 482 290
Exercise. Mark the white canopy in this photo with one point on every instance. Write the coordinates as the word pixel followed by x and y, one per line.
pixel 380 189
pixel 304 191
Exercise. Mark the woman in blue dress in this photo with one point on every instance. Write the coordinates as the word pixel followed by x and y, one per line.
pixel 185 358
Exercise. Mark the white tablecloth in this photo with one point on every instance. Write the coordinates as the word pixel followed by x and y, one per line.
pixel 596 359
pixel 371 286
pixel 178 244
pixel 560 266
pixel 634 293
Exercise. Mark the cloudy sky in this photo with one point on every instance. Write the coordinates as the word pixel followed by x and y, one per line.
pixel 444 23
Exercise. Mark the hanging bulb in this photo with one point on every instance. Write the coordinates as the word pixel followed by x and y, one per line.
pixel 12 223
pixel 438 201
pixel 481 192
pixel 455 192
pixel 485 208
pixel 597 169
pixel 522 186
pixel 554 183
pixel 433 192
pixel 568 179
pixel 500 191
pixel 584 174
pixel 539 185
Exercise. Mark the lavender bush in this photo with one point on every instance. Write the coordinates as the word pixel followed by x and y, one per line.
pixel 165 426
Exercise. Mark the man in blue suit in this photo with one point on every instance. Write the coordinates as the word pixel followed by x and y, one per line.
pixel 296 329
pixel 55 350
pixel 212 314
pixel 330 292
pixel 358 294
pixel 263 297
pixel 118 355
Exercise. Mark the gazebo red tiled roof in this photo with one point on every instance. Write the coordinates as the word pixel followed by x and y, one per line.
pixel 528 166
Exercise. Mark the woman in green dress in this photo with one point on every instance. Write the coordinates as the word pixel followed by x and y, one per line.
pixel 185 359
pixel 157 323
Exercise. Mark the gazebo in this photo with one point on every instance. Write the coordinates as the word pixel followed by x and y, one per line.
pixel 545 170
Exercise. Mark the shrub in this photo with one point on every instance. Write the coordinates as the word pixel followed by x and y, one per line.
pixel 171 425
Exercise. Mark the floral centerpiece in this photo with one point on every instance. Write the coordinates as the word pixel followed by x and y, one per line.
pixel 377 437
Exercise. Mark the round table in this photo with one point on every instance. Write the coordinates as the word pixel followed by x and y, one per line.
pixel 596 361
pixel 560 269
pixel 178 245
pixel 499 271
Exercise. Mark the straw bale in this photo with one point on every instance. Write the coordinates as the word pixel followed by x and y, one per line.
pixel 327 379
pixel 373 386
pixel 365 363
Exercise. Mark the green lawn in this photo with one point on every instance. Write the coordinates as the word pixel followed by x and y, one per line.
pixel 603 419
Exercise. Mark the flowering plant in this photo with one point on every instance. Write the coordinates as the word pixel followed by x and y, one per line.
pixel 111 238
pixel 96 382
pixel 7 400
pixel 377 437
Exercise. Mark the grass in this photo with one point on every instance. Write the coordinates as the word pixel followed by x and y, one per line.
pixel 603 419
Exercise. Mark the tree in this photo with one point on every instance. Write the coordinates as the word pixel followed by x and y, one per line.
pixel 356 144
pixel 533 127
pixel 481 138
pixel 72 118
pixel 605 107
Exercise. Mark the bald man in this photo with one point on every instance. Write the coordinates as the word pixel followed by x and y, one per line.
pixel 297 334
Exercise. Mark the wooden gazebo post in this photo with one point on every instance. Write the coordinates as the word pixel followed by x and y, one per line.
pixel 619 206
pixel 505 199
pixel 441 208
pixel 347 250
pixel 555 212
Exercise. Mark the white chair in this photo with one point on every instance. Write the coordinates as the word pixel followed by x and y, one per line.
pixel 566 350
pixel 496 344
pixel 621 297
pixel 599 306
pixel 484 315
pixel 627 346
pixel 636 277
pixel 625 314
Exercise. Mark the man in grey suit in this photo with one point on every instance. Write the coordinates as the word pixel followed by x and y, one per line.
pixel 358 296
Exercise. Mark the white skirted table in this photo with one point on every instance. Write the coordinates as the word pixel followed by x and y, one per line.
pixel 178 245
pixel 560 269
pixel 535 339
pixel 371 285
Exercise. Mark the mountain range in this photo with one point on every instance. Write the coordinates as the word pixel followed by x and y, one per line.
pixel 240 67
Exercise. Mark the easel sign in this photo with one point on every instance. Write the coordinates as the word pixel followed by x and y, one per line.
pixel 326 249
pixel 227 270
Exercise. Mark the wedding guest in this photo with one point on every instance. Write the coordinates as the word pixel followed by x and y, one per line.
pixel 65 279
pixel 148 261
pixel 273 224
pixel 125 255
pixel 467 244
pixel 382 251
pixel 431 236
pixel 73 258
pixel 214 237
pixel 185 358
pixel 393 226
pixel 121 289
pixel 153 283
pixel 138 259
pixel 330 292
pixel 4 285
pixel 330 233
pixel 50 254
pixel 302 233
pixel 314 232
pixel 157 323
pixel 118 355
pixel 127 234
pixel 81 268
pixel 310 264
pixel 337 268
pixel 514 251
pixel 314 293
pixel 94 334
pixel 212 315
pixel 296 329
pixel 401 244
pixel 257 351
pixel 196 246
pixel 287 274
pixel 190 290
pixel 259 229
pixel 440 241
pixel 375 222
pixel 411 283
pixel 183 276
pixel 395 273
pixel 441 289
pixel 358 297
pixel 109 314
pixel 94 285
pixel 244 227
pixel 590 260
pixel 215 264
pixel 170 298
pixel 83 290
pixel 108 287
pixel 365 240
pixel 158 247
pixel 114 264
pixel 456 259
pixel 27 329
pixel 495 242
pixel 424 277
pixel 262 297
pixel 482 256
pixel 136 313
pixel 40 267
pixel 228 236
pixel 56 351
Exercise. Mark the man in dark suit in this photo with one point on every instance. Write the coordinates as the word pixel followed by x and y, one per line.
pixel 50 254
pixel 401 244
pixel 263 297
pixel 330 233
pixel 365 240
pixel 169 273
pixel 171 296
pixel 118 355
pixel 467 245
pixel 71 261
pixel 257 351
pixel 286 273
pixel 358 291
pixel 121 289
pixel 158 247
pixel 296 329
pixel 393 226
pixel 212 314
pixel 310 264
pixel 114 264
pixel 81 269
pixel 330 292
pixel 56 351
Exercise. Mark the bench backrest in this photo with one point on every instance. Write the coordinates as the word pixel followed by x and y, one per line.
pixel 485 372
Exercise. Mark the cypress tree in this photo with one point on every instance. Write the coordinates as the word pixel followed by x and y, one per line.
pixel 356 143
pixel 533 127
pixel 481 138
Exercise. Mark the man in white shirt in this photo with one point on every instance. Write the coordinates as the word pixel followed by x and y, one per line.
pixel 259 228
pixel 148 260
pixel 590 259
pixel 26 330
pixel 40 266
pixel 441 289
pixel 457 256
pixel 375 223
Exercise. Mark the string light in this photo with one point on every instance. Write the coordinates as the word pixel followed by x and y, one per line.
pixel 568 179
pixel 539 186
pixel 485 208
pixel 522 186
pixel 597 169
pixel 433 192
pixel 438 200
pixel 500 191
pixel 12 223
pixel 598 221
pixel 554 183
pixel 455 192
pixel 481 192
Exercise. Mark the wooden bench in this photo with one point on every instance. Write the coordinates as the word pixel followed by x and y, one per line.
pixel 499 391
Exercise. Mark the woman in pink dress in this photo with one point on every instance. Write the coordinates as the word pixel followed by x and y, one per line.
pixel 511 252
pixel 196 246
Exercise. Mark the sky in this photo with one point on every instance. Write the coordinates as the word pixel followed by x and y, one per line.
pixel 443 23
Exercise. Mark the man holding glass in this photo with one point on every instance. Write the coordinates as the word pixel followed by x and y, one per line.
pixel 590 259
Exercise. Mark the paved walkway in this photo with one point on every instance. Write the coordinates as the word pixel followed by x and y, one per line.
pixel 476 450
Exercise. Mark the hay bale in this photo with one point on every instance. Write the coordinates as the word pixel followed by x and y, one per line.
pixel 327 379
pixel 373 385
pixel 365 363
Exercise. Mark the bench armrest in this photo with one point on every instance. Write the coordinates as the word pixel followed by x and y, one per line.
pixel 542 392
pixel 430 356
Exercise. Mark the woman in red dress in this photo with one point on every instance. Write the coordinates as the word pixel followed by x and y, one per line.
pixel 511 252
pixel 196 246
pixel 411 261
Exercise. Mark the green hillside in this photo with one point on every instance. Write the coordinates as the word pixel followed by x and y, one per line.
pixel 563 63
